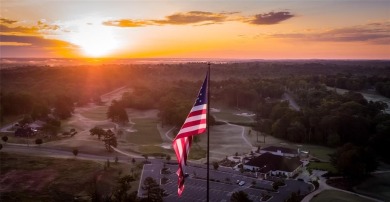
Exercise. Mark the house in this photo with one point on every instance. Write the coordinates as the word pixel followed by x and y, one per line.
pixel 269 163
pixel 280 151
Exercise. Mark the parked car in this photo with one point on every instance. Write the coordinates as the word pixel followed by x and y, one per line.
pixel 241 183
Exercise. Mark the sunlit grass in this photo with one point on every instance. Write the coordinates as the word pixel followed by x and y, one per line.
pixel 146 132
pixel 230 116
pixel 319 152
pixel 98 113
pixel 151 149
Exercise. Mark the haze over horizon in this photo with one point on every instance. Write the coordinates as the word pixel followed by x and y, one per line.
pixel 298 29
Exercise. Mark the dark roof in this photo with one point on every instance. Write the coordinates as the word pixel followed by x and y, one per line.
pixel 282 149
pixel 274 162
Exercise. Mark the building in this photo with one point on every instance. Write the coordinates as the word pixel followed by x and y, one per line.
pixel 269 163
pixel 280 151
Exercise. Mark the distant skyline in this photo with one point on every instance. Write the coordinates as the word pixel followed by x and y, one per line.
pixel 249 29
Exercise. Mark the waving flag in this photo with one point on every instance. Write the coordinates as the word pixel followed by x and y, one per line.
pixel 195 124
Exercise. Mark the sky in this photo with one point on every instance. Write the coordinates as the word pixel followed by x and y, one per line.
pixel 226 29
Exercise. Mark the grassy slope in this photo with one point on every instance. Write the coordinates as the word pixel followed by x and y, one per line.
pixel 337 196
pixel 146 132
pixel 98 113
pixel 378 186
pixel 71 177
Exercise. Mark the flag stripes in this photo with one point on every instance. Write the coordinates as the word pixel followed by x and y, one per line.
pixel 194 124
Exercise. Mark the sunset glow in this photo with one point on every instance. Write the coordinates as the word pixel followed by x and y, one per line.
pixel 299 29
pixel 95 41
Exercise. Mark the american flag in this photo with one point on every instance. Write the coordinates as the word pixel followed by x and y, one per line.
pixel 194 124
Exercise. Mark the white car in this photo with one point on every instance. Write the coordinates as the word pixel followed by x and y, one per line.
pixel 241 183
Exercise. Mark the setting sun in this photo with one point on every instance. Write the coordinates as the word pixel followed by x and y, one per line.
pixel 95 40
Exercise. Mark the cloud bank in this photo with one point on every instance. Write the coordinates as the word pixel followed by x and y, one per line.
pixel 204 18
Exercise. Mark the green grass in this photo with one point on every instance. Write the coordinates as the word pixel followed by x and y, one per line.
pixel 63 178
pixel 319 152
pixel 230 116
pixel 377 186
pixel 10 119
pixel 98 114
pixel 338 196
pixel 146 132
pixel 197 153
pixel 322 166
pixel 151 149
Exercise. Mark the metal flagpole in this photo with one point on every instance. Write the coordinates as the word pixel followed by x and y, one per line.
pixel 208 132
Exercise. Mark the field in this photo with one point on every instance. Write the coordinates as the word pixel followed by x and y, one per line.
pixel 30 178
pixel 332 195
pixel 145 132
pixel 322 166
pixel 376 186
pixel 98 113
pixel 319 152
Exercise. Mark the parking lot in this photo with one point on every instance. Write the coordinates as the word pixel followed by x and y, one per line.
pixel 223 182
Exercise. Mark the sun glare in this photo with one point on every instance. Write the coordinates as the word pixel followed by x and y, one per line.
pixel 95 40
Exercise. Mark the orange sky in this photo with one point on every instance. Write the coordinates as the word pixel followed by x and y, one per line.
pixel 250 29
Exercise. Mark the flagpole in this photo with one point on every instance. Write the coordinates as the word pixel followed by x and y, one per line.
pixel 208 133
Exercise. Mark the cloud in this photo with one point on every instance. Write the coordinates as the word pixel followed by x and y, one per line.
pixel 126 23
pixel 42 25
pixel 7 43
pixel 7 21
pixel 203 18
pixel 193 17
pixel 18 30
pixel 269 18
pixel 377 33
pixel 8 26
pixel 184 18
pixel 37 41
pixel 34 46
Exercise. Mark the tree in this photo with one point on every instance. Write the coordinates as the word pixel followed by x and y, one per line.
pixel 117 113
pixel 39 111
pixel 38 141
pixel 294 197
pixel 240 196
pixel 97 131
pixel 215 165
pixel 110 140
pixel 72 132
pixel 4 138
pixel 120 192
pixel 153 191
pixel 63 107
pixel 133 160
pixel 75 151
pixel 146 156
pixel 354 161
pixel 168 157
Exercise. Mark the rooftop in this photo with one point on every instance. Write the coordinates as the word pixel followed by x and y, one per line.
pixel 282 149
pixel 269 161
